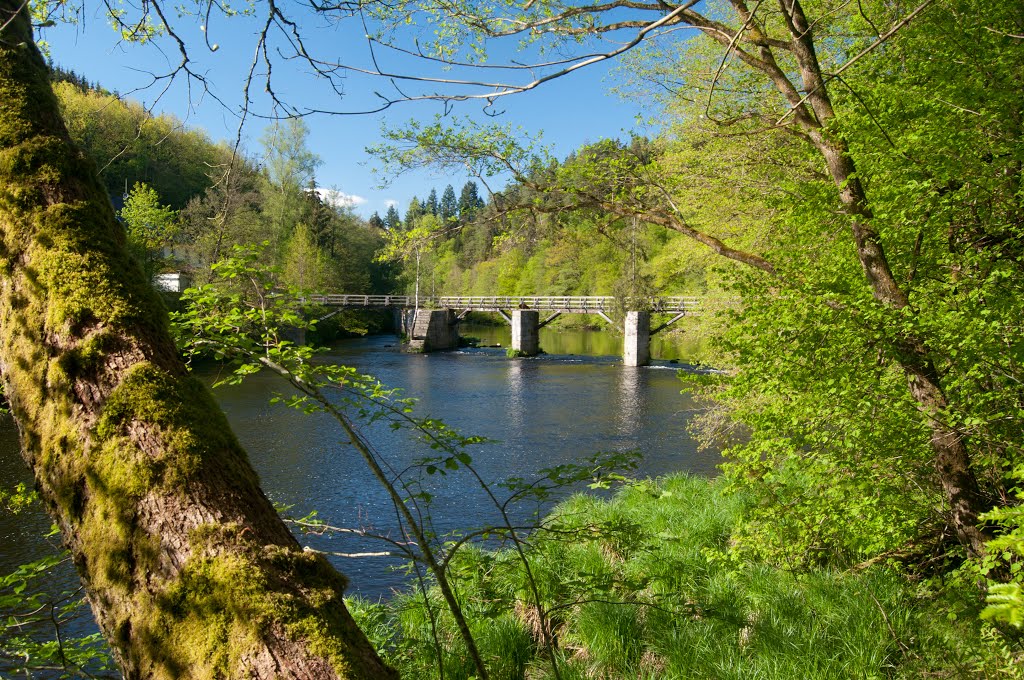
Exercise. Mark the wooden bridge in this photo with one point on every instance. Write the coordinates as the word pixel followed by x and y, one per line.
pixel 433 323
pixel 565 304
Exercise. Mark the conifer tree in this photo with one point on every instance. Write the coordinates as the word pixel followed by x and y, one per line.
pixel 449 208
pixel 392 220
pixel 469 202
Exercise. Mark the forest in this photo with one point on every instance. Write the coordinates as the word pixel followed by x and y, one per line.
pixel 845 180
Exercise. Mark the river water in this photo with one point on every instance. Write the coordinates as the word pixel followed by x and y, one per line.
pixel 563 406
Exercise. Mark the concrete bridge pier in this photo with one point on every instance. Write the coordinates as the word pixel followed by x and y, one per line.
pixel 526 331
pixel 434 329
pixel 637 349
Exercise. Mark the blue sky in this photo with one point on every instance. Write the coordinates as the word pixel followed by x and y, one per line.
pixel 570 111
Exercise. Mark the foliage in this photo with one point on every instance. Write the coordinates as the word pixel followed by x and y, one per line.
pixel 1006 596
pixel 151 227
pixel 820 385
pixel 129 145
pixel 17 500
pixel 35 627
pixel 36 621
pixel 638 586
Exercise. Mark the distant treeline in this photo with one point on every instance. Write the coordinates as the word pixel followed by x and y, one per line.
pixel 187 200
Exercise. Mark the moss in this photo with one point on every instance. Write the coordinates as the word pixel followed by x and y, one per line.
pixel 320 617
pixel 220 607
pixel 76 314
pixel 214 613
pixel 191 425
pixel 87 358
pixel 212 616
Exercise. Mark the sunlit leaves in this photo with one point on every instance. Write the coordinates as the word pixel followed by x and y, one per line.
pixel 17 500
pixel 458 144
pixel 150 224
pixel 35 636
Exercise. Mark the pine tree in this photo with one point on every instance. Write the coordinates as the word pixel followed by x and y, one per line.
pixel 416 210
pixel 375 221
pixel 392 220
pixel 449 208
pixel 469 202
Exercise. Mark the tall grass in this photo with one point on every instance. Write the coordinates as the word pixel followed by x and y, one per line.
pixel 640 586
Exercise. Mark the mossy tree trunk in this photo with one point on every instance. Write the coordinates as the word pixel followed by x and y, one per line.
pixel 189 570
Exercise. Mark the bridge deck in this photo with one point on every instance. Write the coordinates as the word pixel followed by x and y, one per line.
pixel 564 304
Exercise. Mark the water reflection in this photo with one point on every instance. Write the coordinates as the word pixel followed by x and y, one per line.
pixel 607 342
pixel 516 409
pixel 631 407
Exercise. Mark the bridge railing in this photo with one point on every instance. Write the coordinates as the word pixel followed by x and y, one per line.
pixel 580 304
pixel 342 300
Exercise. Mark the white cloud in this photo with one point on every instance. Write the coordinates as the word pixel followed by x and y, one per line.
pixel 339 199
pixel 391 202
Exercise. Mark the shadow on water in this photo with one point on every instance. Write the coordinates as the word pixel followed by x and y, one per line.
pixel 539 412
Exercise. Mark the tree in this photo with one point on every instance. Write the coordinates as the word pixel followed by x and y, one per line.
pixel 189 570
pixel 150 226
pixel 376 222
pixel 431 204
pixel 320 218
pixel 392 220
pixel 411 245
pixel 305 266
pixel 413 213
pixel 470 202
pixel 227 213
pixel 288 169
pixel 448 210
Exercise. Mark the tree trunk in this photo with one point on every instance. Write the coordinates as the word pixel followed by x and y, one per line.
pixel 952 459
pixel 811 113
pixel 189 570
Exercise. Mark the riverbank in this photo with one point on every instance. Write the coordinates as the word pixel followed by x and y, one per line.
pixel 642 585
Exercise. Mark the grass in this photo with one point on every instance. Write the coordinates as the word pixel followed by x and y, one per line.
pixel 642 586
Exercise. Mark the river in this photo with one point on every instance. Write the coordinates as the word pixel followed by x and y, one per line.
pixel 566 405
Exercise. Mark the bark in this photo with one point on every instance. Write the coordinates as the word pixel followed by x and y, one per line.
pixel 188 568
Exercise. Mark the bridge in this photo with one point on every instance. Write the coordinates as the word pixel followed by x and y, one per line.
pixel 431 323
